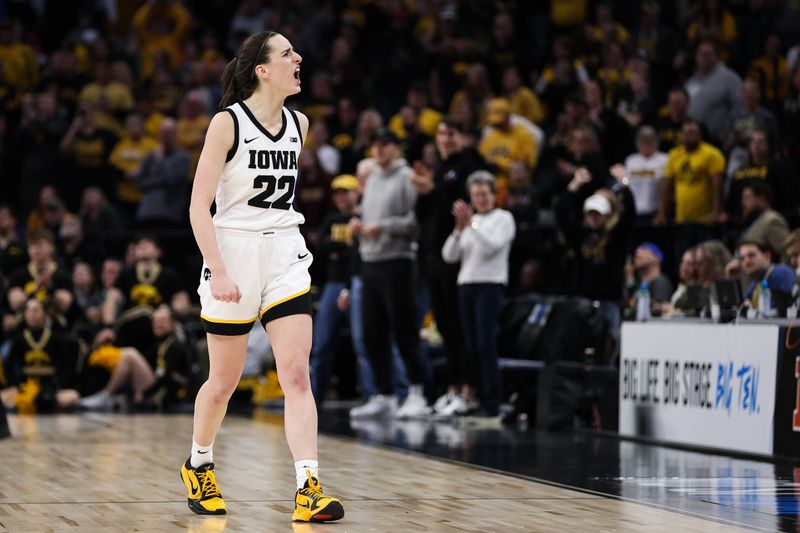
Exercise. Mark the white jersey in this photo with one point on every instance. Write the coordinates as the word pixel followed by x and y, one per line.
pixel 257 185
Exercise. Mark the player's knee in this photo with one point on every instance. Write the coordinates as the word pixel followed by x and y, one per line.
pixel 222 389
pixel 295 380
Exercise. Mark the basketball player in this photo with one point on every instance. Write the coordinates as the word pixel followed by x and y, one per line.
pixel 255 264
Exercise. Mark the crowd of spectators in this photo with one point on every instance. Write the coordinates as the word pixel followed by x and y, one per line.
pixel 569 147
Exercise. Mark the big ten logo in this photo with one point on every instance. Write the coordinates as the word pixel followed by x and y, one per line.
pixel 796 412
pixel 737 387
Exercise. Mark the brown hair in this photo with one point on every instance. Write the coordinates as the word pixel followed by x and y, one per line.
pixel 239 78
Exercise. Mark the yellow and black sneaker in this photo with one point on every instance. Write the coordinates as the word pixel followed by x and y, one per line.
pixel 204 494
pixel 311 505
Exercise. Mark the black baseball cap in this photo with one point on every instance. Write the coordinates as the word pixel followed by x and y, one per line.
pixel 385 135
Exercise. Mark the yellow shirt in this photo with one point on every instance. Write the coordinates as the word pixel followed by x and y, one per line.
pixel 151 43
pixel 567 13
pixel 524 102
pixel 127 156
pixel 428 121
pixel 772 77
pixel 191 133
pixel 20 66
pixel 691 172
pixel 501 148
pixel 115 96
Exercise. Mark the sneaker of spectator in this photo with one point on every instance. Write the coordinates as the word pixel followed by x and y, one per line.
pixel 378 406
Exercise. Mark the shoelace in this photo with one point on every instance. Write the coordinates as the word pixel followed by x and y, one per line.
pixel 314 486
pixel 208 482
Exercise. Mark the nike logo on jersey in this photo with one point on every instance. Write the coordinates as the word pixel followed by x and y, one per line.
pixel 277 159
pixel 302 256
pixel 247 141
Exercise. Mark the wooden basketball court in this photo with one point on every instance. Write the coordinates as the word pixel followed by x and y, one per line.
pixel 120 473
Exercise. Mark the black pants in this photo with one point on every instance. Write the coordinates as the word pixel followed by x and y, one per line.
pixel 442 279
pixel 481 304
pixel 389 311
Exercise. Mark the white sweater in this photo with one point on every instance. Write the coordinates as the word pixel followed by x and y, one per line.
pixel 483 249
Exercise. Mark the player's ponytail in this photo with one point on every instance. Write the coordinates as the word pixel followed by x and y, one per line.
pixel 239 78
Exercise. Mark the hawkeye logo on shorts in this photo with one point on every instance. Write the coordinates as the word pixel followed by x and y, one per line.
pixel 206 274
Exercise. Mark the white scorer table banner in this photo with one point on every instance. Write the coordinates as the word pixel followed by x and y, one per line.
pixel 700 384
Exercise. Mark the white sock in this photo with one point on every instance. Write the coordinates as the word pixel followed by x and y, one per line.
pixel 300 468
pixel 201 455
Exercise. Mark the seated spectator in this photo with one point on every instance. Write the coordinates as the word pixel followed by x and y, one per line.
pixel 42 278
pixel 475 94
pixel 313 195
pixel 712 24
pixel 711 259
pixel 687 276
pixel 634 102
pixel 584 152
pixel 647 261
pixel 40 367
pixel 173 360
pixel 762 223
pixel 563 76
pixel 100 221
pixel 481 241
pixel 791 250
pixel 757 262
pixel 521 198
pixel 645 171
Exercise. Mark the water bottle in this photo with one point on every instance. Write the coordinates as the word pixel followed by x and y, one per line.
pixel 764 300
pixel 643 303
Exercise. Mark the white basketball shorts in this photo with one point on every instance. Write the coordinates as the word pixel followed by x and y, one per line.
pixel 271 270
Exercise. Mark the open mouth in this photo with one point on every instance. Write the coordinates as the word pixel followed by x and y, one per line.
pixel 297 73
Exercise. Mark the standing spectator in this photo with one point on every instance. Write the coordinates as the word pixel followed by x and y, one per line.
pixel 162 180
pixel 329 157
pixel 40 132
pixel 110 99
pixel 645 171
pixel 87 147
pixel 127 157
pixel 771 73
pixel 713 90
pixel 427 118
pixel 763 166
pixel 612 131
pixel 388 231
pixel 597 232
pixel 12 250
pixel 647 262
pixel 693 177
pixel 481 241
pixel 762 223
pixel 476 93
pixel 748 116
pixel 524 101
pixel 439 188
pixel 159 28
pixel 192 125
pixel 669 127
pixel 100 221
pixel 758 263
pixel 712 23
pixel 313 194
pixel 505 143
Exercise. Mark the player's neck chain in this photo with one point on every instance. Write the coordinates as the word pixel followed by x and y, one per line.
pixel 147 276
pixel 41 343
